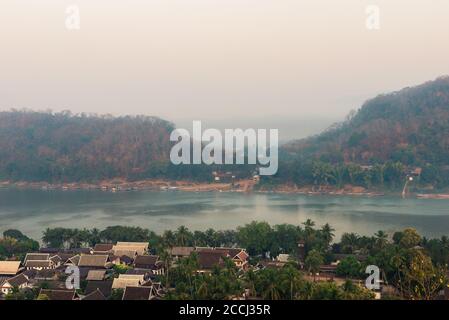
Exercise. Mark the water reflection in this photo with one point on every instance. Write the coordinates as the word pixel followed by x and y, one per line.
pixel 33 210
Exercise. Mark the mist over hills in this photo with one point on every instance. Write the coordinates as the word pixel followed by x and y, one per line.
pixel 379 145
pixel 403 129
pixel 410 125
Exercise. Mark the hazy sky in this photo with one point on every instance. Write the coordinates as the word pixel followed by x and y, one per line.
pixel 293 64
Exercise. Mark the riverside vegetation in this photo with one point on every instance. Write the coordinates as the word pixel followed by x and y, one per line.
pixel 374 148
pixel 414 266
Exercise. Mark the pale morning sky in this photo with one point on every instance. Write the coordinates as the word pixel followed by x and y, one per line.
pixel 296 65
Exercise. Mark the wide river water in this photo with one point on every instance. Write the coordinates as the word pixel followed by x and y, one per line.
pixel 31 211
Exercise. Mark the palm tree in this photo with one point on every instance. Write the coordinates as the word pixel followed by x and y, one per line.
pixel 313 261
pixel 182 236
pixel 381 239
pixel 166 258
pixel 168 238
pixel 249 280
pixel 349 242
pixel 270 285
pixel 327 233
pixel 291 279
pixel 308 225
pixel 94 237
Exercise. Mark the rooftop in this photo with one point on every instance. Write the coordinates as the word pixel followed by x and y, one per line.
pixel 9 267
pixel 93 260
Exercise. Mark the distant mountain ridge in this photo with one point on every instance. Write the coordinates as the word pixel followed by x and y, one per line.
pixel 375 147
pixel 410 126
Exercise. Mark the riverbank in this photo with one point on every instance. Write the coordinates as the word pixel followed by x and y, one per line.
pixel 244 185
pixel 121 185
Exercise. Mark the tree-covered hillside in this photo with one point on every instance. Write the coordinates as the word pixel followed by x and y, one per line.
pixel 36 146
pixel 378 145
pixel 410 126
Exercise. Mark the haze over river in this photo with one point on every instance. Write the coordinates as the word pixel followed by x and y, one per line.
pixel 31 211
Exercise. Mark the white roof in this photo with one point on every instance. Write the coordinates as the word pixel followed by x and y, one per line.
pixel 138 247
pixel 139 277
pixel 138 244
pixel 9 267
pixel 120 283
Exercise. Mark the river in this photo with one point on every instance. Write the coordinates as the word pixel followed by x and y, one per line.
pixel 31 211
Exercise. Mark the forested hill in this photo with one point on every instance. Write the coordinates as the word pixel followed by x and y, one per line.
pixel 391 133
pixel 36 146
pixel 410 126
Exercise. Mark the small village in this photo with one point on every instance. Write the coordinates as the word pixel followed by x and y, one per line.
pixel 126 270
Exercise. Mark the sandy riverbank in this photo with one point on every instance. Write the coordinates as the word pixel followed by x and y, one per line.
pixel 117 185
pixel 247 185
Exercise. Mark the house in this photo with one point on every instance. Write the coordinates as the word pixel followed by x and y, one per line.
pixel 96 275
pixel 146 273
pixel 39 261
pixel 30 273
pixel 181 252
pixel 36 257
pixel 105 287
pixel 131 254
pixel 60 294
pixel 149 262
pixel 269 264
pixel 140 248
pixel 19 281
pixel 103 248
pixel 126 260
pixel 94 261
pixel 96 295
pixel 328 268
pixel 48 275
pixel 224 177
pixel 241 259
pixel 127 280
pixel 283 257
pixel 57 260
pixel 237 255
pixel 9 268
pixel 79 251
pixel 39 264
pixel 157 288
pixel 207 260
pixel 138 293
pixel 73 261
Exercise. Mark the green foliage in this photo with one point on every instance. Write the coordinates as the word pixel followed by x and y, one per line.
pixel 120 268
pixel 123 233
pixel 313 261
pixel 56 147
pixel 256 237
pixel 116 294
pixel 350 267
pixel 14 243
pixel 415 266
pixel 403 129
pixel 42 297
